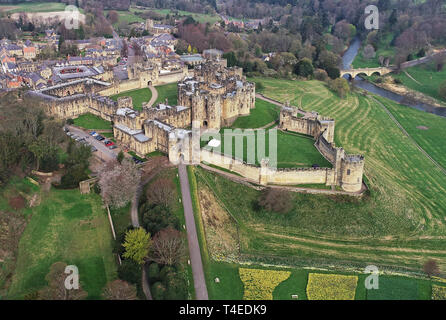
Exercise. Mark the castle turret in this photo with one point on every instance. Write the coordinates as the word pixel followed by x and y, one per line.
pixel 351 173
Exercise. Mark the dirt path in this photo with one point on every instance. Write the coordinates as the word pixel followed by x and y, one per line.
pixel 201 292
pixel 154 96
pixel 407 74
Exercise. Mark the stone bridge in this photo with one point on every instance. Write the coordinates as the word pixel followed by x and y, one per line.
pixel 367 71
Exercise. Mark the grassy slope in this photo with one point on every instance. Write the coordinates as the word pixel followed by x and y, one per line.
pixel 402 215
pixel 427 75
pixel 263 114
pixel 91 121
pixel 68 227
pixel 138 96
pixel 430 139
pixel 200 17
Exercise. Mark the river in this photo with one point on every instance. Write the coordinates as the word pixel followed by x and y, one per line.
pixel 347 60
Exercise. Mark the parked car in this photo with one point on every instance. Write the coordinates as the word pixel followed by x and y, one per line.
pixel 66 129
pixel 112 147
pixel 74 136
pixel 93 149
pixel 93 133
pixel 136 160
pixel 106 141
pixel 99 137
pixel 109 143
pixel 69 134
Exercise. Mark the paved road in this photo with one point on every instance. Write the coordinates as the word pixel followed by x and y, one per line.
pixel 201 292
pixel 104 153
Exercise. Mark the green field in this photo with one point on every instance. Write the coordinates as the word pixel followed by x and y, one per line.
pixel 138 96
pixel 71 228
pixel 384 49
pixel 402 214
pixel 90 121
pixel 263 114
pixel 292 150
pixel 428 80
pixel 168 91
pixel 33 7
pixel 200 17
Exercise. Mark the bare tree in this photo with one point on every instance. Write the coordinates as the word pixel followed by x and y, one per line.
pixel 168 247
pixel 431 268
pixel 162 191
pixel 119 182
pixel 119 290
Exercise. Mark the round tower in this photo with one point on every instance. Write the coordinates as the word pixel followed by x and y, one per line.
pixel 351 174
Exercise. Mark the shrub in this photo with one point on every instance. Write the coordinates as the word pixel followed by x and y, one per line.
pixel 158 217
pixel 70 121
pixel 158 291
pixel 176 287
pixel 129 271
pixel 320 74
pixel 153 272
pixel 165 271
pixel 397 81
pixel 260 87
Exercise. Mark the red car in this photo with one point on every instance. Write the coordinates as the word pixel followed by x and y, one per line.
pixel 110 143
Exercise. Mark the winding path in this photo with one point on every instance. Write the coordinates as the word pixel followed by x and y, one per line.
pixel 201 292
pixel 154 96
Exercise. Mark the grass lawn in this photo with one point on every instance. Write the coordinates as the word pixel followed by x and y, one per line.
pixel 400 288
pixel 168 91
pixel 71 228
pixel 429 80
pixel 138 96
pixel 384 49
pixel 402 214
pixel 263 114
pixel 200 17
pixel 90 121
pixel 292 150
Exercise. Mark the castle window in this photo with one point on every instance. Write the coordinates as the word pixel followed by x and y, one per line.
pixel 348 172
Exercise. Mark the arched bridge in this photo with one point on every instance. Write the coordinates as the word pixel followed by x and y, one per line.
pixel 367 71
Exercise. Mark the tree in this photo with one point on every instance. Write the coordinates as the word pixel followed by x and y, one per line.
pixel 162 191
pixel 120 157
pixel 158 217
pixel 137 244
pixel 304 68
pixel 119 290
pixel 56 289
pixel 113 16
pixel 431 268
pixel 369 52
pixel 119 182
pixel 168 247
pixel 340 86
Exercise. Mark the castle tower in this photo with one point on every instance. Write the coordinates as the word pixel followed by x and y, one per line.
pixel 351 173
pixel 149 24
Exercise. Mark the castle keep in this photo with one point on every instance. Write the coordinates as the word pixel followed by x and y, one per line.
pixel 216 95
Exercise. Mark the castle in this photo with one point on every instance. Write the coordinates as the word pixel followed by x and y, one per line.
pixel 212 99
pixel 347 169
